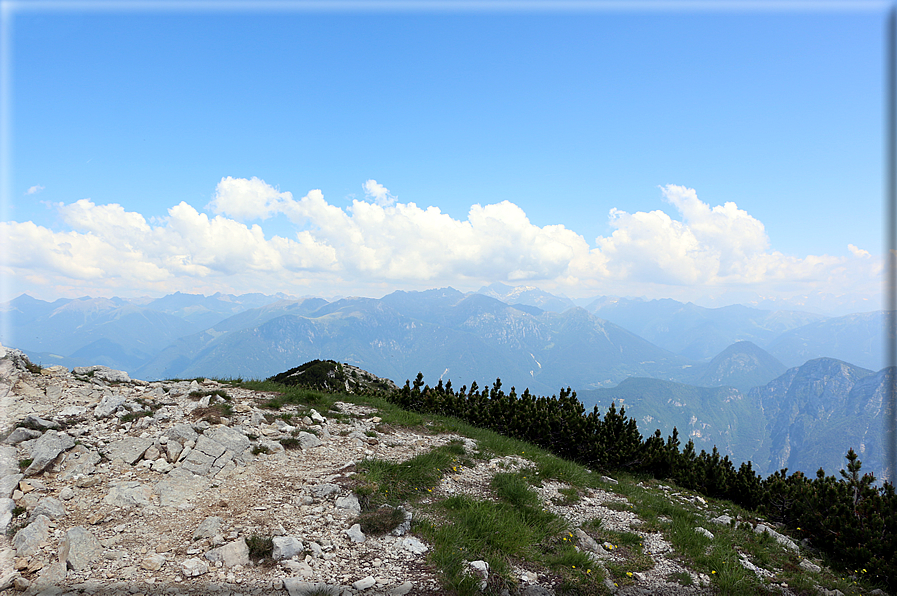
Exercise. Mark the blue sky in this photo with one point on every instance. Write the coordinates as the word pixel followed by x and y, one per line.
pixel 144 146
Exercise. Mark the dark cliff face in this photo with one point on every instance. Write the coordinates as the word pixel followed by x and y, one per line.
pixel 814 413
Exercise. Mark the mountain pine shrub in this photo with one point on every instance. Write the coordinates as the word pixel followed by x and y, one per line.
pixel 850 519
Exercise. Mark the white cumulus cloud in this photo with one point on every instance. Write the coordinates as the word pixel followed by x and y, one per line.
pixel 379 193
pixel 34 189
pixel 380 243
pixel 710 246
pixel 246 200
pixel 858 252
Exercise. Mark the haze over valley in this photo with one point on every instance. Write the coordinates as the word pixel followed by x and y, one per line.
pixel 773 387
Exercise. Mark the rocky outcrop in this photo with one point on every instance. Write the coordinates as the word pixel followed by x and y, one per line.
pixel 123 483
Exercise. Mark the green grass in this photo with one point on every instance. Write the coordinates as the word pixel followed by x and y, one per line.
pixel 380 521
pixel 289 395
pixel 131 416
pixel 199 394
pixel 381 482
pixel 290 443
pixel 508 526
pixel 514 526
pixel 213 412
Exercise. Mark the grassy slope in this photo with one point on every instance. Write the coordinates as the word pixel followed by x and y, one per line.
pixel 508 525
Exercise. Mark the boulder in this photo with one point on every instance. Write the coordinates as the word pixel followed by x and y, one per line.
pixel 49 506
pixel 308 440
pixel 586 542
pixel 181 432
pixel 364 584
pixel 108 405
pixel 9 484
pixel 79 548
pixel 128 493
pixel 6 507
pixel 286 547
pixel 153 562
pixel 321 491
pixel 129 449
pixel 46 449
pixel 348 505
pixel 8 460
pixel 780 538
pixel 103 372
pixel 414 545
pixel 208 528
pixel 232 553
pixel 80 460
pixel 27 541
pixel 355 534
pixel 38 423
pixel 193 567
pixel 21 434
pixel 203 456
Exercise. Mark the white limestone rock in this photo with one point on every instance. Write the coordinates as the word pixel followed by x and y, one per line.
pixel 128 493
pixel 348 505
pixel 49 506
pixel 8 484
pixel 286 547
pixel 231 554
pixel 46 449
pixel 194 567
pixel 414 545
pixel 364 584
pixel 22 434
pixel 103 372
pixel 6 507
pixel 27 541
pixel 153 562
pixel 780 538
pixel 130 449
pixel 79 549
pixel 308 440
pixel 355 534
pixel 108 405
pixel 208 528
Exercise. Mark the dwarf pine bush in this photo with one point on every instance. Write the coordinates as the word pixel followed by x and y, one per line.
pixel 849 518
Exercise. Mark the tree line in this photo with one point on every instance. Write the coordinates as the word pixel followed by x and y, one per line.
pixel 849 518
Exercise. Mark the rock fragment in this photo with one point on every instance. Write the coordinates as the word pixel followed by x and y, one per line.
pixel 79 549
pixel 46 449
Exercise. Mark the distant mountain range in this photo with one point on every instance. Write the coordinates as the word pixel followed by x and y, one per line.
pixel 805 419
pixel 721 374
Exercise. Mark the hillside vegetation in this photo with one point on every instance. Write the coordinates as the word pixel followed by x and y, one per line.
pixel 849 518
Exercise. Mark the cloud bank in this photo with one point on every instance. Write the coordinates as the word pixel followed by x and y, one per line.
pixel 378 244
